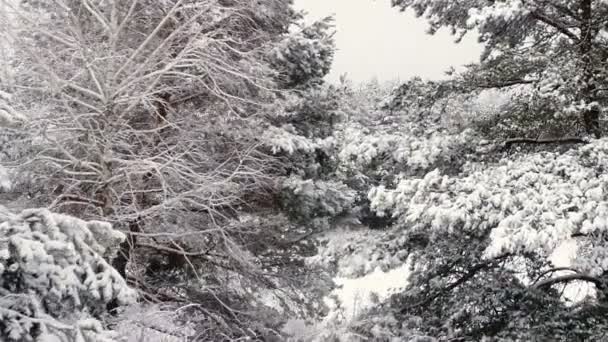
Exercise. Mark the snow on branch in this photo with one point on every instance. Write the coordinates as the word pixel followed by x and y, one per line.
pixel 54 279
pixel 569 278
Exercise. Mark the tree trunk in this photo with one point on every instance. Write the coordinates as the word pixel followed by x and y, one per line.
pixel 122 259
pixel 591 114
pixel 124 254
pixel 591 119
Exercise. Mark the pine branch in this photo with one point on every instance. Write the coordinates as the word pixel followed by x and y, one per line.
pixel 556 25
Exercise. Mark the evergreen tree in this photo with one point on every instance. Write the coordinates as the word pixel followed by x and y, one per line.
pixel 557 48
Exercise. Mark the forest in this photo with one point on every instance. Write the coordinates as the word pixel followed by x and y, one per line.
pixel 181 170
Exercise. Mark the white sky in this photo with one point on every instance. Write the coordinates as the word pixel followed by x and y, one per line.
pixel 375 40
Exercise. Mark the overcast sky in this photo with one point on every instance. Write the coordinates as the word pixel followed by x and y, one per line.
pixel 374 39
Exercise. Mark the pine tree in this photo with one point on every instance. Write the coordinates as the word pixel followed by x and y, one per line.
pixel 556 48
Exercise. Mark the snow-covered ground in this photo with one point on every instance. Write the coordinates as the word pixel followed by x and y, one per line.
pixel 563 256
pixel 352 295
pixel 141 323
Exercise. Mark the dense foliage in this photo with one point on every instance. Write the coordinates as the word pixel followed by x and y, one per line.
pixel 555 49
pixel 55 279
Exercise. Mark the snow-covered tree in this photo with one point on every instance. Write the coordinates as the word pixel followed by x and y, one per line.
pixel 403 131
pixel 556 48
pixel 305 56
pixel 483 230
pixel 155 116
pixel 489 248
pixel 303 136
pixel 55 277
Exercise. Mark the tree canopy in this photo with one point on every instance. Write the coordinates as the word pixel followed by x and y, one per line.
pixel 556 48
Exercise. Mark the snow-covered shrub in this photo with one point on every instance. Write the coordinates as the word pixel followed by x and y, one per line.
pixel 306 200
pixel 55 282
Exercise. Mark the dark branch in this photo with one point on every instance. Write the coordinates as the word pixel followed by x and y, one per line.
pixel 563 141
pixel 504 84
pixel 567 279
pixel 556 25
pixel 564 10
pixel 553 270
pixel 579 234
pixel 470 274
